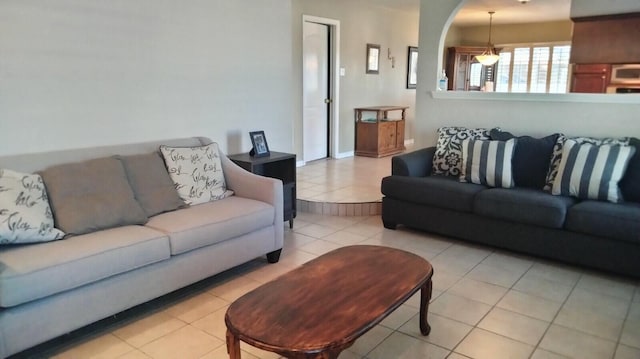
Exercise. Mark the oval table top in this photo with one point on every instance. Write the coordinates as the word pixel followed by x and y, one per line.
pixel 328 302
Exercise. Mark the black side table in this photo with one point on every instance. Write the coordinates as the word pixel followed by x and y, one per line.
pixel 277 165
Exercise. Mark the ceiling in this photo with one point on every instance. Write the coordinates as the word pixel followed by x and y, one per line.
pixel 475 12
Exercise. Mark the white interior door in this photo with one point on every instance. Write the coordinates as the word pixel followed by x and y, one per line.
pixel 315 84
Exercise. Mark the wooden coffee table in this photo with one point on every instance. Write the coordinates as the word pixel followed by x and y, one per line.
pixel 322 307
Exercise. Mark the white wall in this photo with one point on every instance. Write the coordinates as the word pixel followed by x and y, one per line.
pixel 78 73
pixel 361 23
pixel 516 113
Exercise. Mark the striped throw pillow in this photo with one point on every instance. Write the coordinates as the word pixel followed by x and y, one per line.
pixel 488 162
pixel 592 172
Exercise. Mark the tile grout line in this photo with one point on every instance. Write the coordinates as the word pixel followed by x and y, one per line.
pixel 624 322
pixel 575 285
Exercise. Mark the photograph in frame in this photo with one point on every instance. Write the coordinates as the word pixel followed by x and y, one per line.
pixel 259 143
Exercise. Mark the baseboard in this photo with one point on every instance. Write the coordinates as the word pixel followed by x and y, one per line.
pixel 345 154
pixel 300 163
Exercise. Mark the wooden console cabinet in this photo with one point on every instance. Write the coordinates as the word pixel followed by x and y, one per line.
pixel 380 135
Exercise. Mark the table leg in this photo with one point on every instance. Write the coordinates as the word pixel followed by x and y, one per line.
pixel 233 346
pixel 425 297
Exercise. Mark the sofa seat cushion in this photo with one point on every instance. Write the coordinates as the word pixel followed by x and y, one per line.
pixel 523 205
pixel 438 191
pixel 212 222
pixel 612 220
pixel 34 271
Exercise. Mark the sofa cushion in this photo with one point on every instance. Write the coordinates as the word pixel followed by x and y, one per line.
pixel 438 191
pixel 530 159
pixel 556 155
pixel 611 220
pixel 447 159
pixel 35 271
pixel 91 195
pixel 630 184
pixel 488 162
pixel 151 184
pixel 25 215
pixel 196 172
pixel 523 205
pixel 592 172
pixel 212 222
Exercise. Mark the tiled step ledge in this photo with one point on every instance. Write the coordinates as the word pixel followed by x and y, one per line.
pixel 340 209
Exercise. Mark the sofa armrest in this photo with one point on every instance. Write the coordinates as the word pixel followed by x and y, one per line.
pixel 265 189
pixel 413 164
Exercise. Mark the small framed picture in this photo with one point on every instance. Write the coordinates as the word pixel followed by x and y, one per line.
pixel 373 59
pixel 412 68
pixel 259 142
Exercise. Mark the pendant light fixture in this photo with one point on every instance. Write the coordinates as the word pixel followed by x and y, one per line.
pixel 488 57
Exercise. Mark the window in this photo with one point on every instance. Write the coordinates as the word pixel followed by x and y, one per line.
pixel 535 69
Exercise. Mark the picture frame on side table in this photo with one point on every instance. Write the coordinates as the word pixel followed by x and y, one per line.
pixel 373 59
pixel 412 68
pixel 259 143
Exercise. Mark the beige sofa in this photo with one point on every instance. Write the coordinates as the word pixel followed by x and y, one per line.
pixel 49 289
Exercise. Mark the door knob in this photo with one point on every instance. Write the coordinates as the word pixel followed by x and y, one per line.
pixel 328 100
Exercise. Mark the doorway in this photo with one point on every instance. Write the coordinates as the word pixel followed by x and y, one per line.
pixel 319 83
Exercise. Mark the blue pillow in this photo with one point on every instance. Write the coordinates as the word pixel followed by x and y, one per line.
pixel 592 172
pixel 530 159
pixel 630 184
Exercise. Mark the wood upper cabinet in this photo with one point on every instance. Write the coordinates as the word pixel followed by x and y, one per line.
pixel 465 73
pixel 607 39
pixel 378 135
pixel 590 78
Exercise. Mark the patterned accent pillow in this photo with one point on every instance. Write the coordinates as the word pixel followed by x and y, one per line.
pixel 488 162
pixel 556 155
pixel 592 172
pixel 25 214
pixel 196 173
pixel 447 159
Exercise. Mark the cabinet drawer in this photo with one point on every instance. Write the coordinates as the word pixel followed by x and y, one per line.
pixel 592 68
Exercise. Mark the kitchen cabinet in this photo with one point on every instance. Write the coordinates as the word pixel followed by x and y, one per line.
pixel 590 78
pixel 606 39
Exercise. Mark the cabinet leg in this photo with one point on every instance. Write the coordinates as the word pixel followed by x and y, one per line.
pixel 291 223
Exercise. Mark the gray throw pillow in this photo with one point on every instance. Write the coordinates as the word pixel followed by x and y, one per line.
pixel 90 196
pixel 151 184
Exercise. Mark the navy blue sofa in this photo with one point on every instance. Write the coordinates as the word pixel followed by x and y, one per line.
pixel 590 233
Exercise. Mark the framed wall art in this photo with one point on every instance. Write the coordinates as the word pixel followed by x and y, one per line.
pixel 412 68
pixel 373 59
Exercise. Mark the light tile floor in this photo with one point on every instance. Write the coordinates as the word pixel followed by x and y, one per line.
pixel 486 304
pixel 348 180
